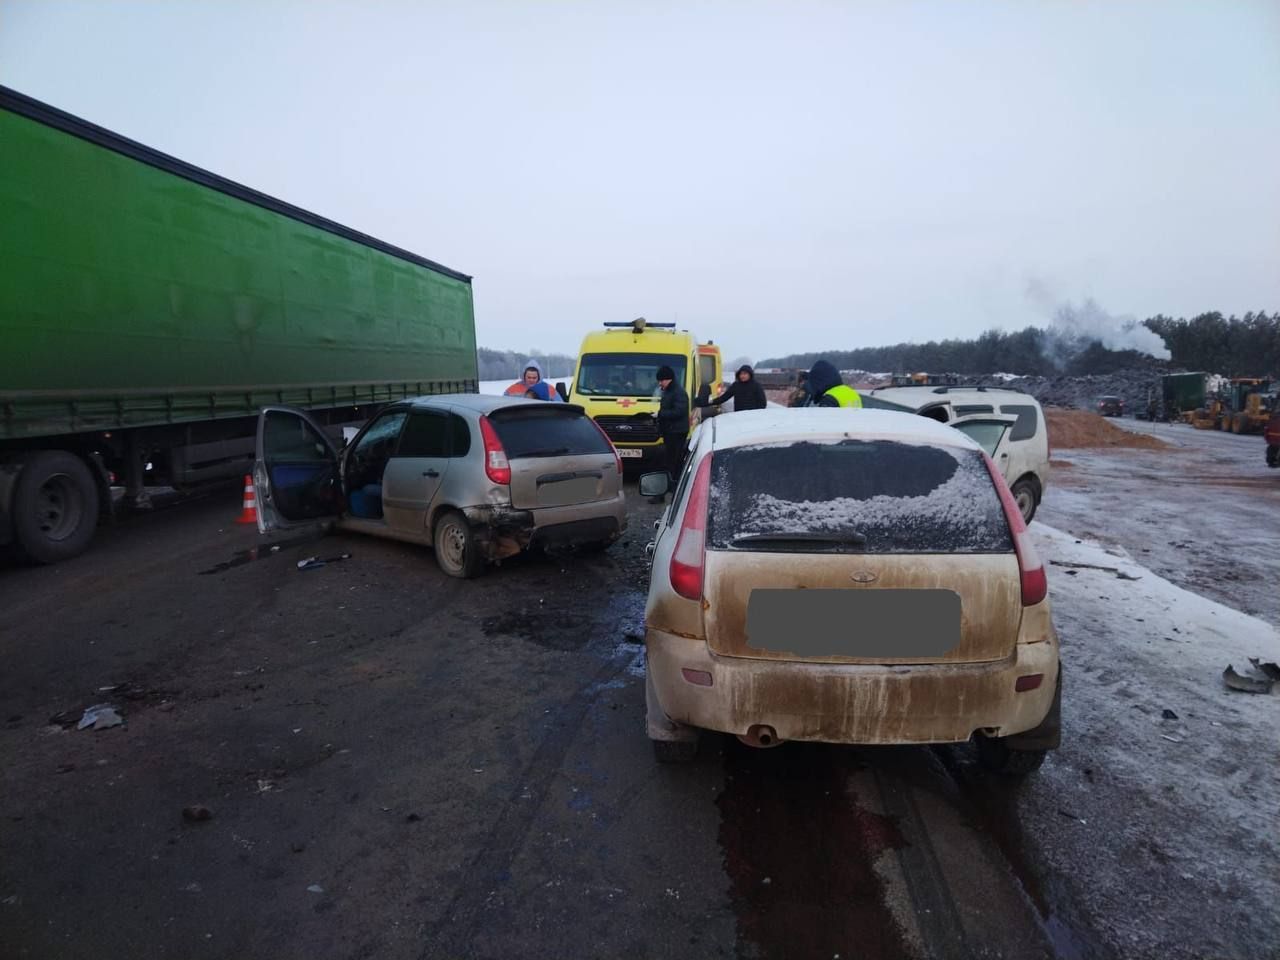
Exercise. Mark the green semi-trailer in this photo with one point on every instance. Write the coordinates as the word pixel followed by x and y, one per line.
pixel 149 308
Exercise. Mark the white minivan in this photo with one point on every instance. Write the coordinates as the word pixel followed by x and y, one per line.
pixel 1007 424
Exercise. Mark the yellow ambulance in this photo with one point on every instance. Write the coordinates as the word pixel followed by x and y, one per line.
pixel 615 381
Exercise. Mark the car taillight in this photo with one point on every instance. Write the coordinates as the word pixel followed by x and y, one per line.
pixel 1035 585
pixel 617 457
pixel 689 558
pixel 496 465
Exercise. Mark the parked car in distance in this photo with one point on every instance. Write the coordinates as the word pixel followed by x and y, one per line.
pixel 479 478
pixel 858 579
pixel 1022 453
pixel 1111 406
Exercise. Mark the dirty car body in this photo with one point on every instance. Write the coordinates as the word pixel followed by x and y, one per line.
pixel 479 478
pixel 844 579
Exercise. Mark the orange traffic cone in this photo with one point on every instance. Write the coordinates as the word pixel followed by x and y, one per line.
pixel 249 512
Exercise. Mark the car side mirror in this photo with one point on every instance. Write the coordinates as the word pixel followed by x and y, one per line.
pixel 654 484
pixel 560 389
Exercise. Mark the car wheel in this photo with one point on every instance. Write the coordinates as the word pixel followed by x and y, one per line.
pixel 674 751
pixel 55 506
pixel 994 755
pixel 456 551
pixel 1024 495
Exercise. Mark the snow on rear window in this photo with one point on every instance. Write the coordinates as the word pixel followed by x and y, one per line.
pixel 902 497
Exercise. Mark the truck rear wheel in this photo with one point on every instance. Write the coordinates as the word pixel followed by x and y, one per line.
pixel 55 506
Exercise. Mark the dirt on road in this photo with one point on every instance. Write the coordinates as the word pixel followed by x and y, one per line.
pixel 1079 428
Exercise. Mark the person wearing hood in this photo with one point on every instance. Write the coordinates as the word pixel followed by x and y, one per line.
pixel 745 392
pixel 827 388
pixel 541 391
pixel 532 374
pixel 673 423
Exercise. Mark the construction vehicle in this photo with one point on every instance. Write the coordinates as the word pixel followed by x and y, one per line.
pixel 1183 395
pixel 149 308
pixel 1272 433
pixel 1245 405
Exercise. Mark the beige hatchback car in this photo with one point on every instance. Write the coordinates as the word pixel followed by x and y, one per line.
pixel 847 577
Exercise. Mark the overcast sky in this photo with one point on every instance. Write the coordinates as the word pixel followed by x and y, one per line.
pixel 776 176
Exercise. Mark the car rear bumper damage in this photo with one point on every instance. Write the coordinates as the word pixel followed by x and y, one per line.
pixel 503 532
pixel 847 703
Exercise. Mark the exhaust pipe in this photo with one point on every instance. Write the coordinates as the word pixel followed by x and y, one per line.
pixel 760 735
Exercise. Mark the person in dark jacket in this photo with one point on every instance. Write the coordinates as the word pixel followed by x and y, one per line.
pixel 745 392
pixel 827 388
pixel 673 424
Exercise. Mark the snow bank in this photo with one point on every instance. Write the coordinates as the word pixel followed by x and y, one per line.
pixel 1154 821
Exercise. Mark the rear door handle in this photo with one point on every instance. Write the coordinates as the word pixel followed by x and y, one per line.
pixel 431 473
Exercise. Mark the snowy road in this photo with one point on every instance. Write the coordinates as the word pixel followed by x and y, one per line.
pixel 1204 513
pixel 1143 825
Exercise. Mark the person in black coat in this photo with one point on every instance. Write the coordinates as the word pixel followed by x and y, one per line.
pixel 673 423
pixel 745 392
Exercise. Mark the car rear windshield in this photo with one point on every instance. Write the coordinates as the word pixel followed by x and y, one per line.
pixel 876 496
pixel 625 374
pixel 543 430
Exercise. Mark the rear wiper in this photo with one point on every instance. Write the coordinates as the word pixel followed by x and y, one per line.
pixel 549 452
pixel 848 536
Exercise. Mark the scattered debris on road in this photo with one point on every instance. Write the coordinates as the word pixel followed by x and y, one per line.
pixel 196 813
pixel 1120 574
pixel 101 716
pixel 1235 681
pixel 1168 714
pixel 1271 670
pixel 313 563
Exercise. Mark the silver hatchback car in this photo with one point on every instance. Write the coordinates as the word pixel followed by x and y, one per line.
pixel 479 478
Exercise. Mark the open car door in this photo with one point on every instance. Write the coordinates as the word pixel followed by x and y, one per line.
pixel 991 432
pixel 295 472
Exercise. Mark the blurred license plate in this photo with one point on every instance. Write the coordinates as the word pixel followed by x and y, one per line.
pixel 627 452
pixel 887 624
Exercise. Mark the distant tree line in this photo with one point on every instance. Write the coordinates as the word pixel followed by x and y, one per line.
pixel 498 364
pixel 1247 346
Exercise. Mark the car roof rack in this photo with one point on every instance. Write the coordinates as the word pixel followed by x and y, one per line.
pixel 979 387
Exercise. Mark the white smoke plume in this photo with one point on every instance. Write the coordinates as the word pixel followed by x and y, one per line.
pixel 1073 327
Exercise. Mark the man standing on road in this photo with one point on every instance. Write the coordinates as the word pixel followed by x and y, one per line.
pixel 828 389
pixel 745 392
pixel 673 424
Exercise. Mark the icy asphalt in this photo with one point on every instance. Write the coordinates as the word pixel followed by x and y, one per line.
pixel 399 765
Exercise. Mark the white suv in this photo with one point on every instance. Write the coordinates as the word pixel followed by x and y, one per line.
pixel 1020 447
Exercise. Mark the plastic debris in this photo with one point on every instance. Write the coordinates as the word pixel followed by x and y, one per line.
pixel 1168 714
pixel 101 716
pixel 313 563
pixel 196 813
pixel 1267 668
pixel 315 888
pixel 1234 681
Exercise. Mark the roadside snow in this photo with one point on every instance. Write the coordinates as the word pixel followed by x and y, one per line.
pixel 1151 821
